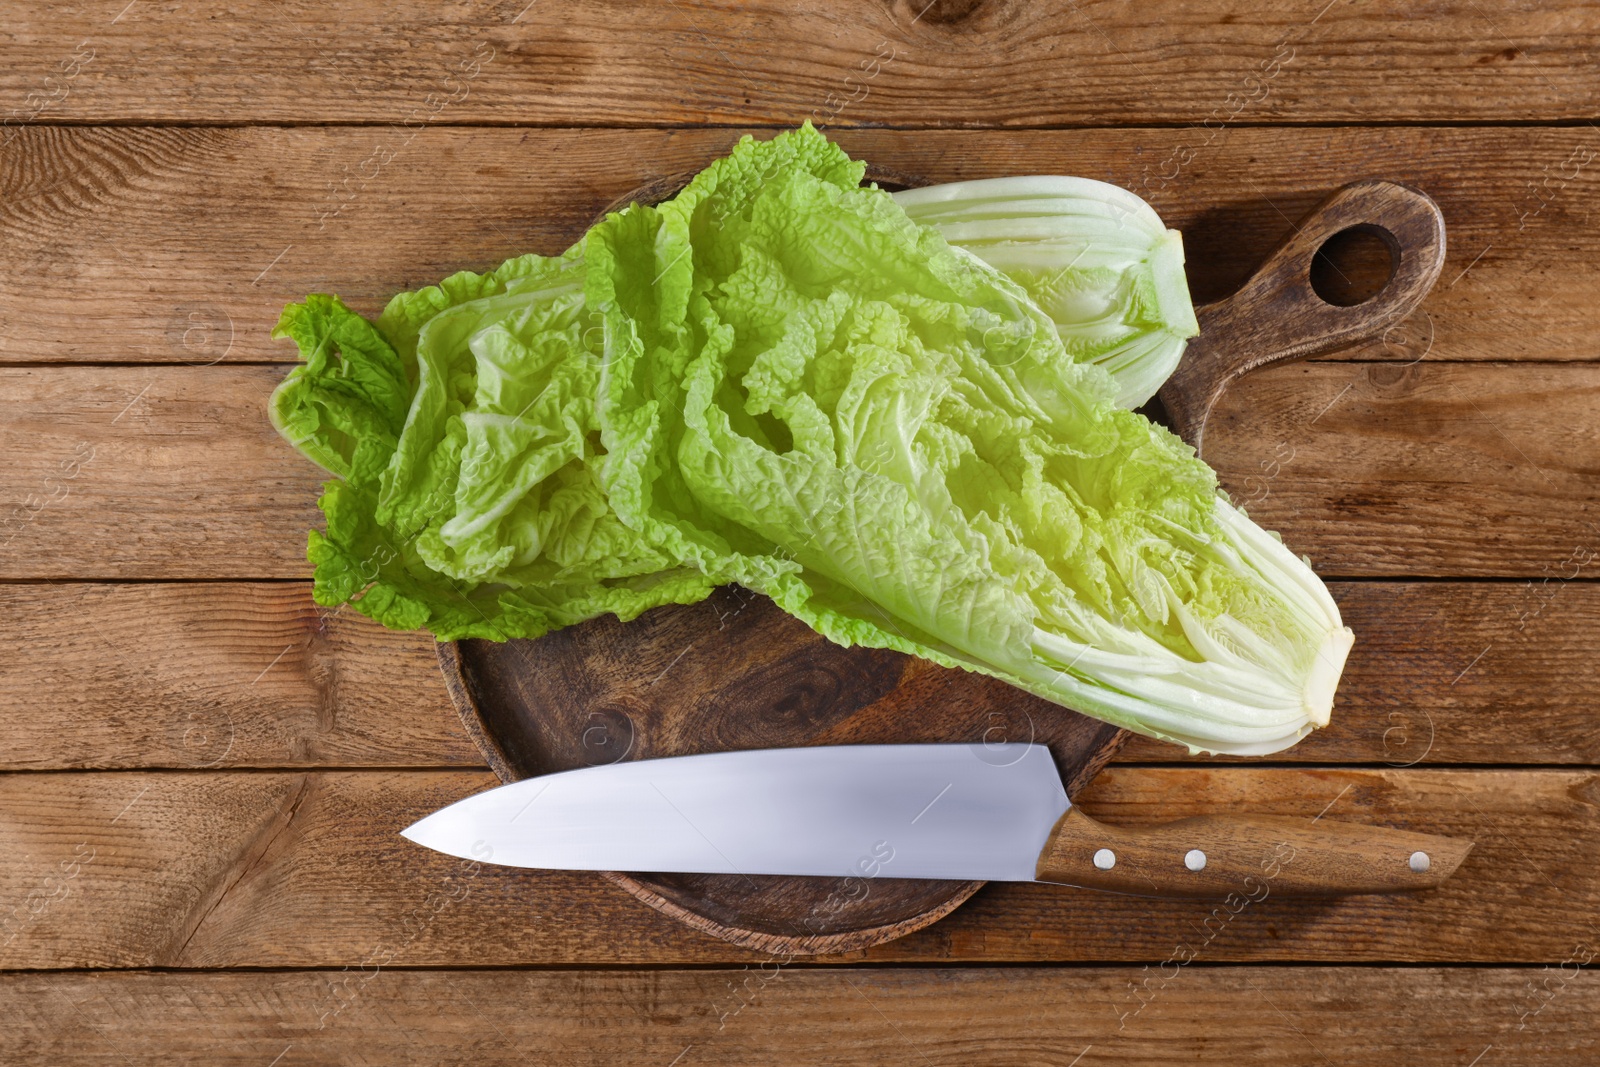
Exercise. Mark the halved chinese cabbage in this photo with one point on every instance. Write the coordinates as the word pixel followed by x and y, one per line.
pixel 1094 257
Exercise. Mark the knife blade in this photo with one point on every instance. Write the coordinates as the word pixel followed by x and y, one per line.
pixel 952 811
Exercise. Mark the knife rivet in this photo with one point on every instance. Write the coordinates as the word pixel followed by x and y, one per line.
pixel 1195 860
pixel 1105 859
pixel 1420 862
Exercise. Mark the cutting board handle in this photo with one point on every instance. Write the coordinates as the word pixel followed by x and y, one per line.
pixel 1252 856
pixel 1277 317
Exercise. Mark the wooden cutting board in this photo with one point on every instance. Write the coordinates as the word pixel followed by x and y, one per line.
pixel 734 672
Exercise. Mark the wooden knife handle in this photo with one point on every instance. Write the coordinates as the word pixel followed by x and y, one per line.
pixel 1253 856
pixel 1277 317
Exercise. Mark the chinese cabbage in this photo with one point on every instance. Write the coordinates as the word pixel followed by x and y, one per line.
pixel 778 378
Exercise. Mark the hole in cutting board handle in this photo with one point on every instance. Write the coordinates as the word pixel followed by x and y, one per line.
pixel 1354 265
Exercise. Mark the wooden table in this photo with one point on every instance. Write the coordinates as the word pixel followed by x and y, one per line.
pixel 205 772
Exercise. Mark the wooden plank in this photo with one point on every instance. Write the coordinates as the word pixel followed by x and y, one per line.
pixel 159 472
pixel 1373 470
pixel 1442 469
pixel 256 675
pixel 192 240
pixel 915 62
pixel 216 675
pixel 277 869
pixel 1430 1017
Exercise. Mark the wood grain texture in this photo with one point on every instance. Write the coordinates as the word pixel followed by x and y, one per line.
pixel 192 240
pixel 905 62
pixel 1373 470
pixel 1442 672
pixel 1356 1017
pixel 281 869
pixel 215 675
pixel 158 472
pixel 179 244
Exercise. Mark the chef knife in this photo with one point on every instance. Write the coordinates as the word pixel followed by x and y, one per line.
pixel 953 811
